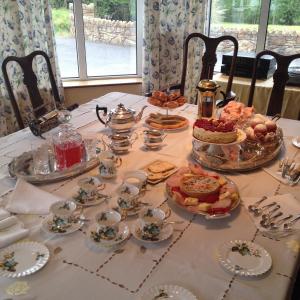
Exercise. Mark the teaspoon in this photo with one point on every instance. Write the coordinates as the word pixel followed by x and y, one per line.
pixel 276 225
pixel 266 223
pixel 269 214
pixel 259 211
pixel 288 226
pixel 252 207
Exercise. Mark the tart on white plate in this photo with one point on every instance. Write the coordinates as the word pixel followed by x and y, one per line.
pixel 202 192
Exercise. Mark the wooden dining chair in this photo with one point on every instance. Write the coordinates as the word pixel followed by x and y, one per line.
pixel 31 83
pixel 280 78
pixel 209 60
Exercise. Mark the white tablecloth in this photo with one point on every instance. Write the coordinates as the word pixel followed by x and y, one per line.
pixel 78 271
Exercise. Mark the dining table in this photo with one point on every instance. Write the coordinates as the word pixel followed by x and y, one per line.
pixel 189 258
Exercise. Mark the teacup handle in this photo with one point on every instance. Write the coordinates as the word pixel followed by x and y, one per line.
pixel 101 187
pixel 105 143
pixel 133 138
pixel 118 161
pixel 164 136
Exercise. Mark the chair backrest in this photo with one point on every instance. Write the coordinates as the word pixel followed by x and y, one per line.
pixel 280 78
pixel 209 60
pixel 31 83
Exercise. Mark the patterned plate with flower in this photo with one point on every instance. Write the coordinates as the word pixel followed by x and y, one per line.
pixel 168 291
pixel 22 259
pixel 244 258
pixel 103 242
pixel 165 233
pixel 60 227
pixel 83 200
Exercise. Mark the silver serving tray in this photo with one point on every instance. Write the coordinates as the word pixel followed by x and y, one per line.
pixel 257 160
pixel 22 167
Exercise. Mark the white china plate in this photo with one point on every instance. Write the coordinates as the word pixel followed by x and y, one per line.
pixel 29 257
pixel 240 138
pixel 254 262
pixel 167 291
pixel 296 142
pixel 122 235
pixel 98 199
pixel 74 227
pixel 165 233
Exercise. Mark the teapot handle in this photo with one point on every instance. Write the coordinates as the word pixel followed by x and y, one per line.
pixel 104 113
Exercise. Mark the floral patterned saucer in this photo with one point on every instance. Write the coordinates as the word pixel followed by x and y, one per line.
pixel 244 258
pixel 22 259
pixel 165 233
pixel 59 226
pixel 122 235
pixel 82 199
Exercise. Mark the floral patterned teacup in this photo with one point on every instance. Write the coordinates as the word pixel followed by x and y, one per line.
pixel 90 185
pixel 63 210
pixel 109 163
pixel 128 196
pixel 108 224
pixel 151 220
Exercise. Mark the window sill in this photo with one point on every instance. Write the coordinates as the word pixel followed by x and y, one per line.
pixel 101 82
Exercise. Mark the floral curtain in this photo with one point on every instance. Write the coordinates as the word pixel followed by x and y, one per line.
pixel 25 26
pixel 166 25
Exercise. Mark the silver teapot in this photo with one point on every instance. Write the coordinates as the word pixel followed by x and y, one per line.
pixel 120 119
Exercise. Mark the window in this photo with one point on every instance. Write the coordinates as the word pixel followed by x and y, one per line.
pixel 96 38
pixel 258 25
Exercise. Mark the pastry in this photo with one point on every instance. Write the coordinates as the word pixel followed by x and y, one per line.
pixel 167 100
pixel 236 112
pixel 199 185
pixel 215 131
pixel 159 121
pixel 160 167
pixel 200 191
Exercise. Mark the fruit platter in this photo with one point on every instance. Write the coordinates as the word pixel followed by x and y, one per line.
pixel 200 192
pixel 239 140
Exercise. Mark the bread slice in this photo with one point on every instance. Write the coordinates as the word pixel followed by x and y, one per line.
pixel 199 185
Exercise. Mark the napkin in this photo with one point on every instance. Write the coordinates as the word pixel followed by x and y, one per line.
pixel 4 214
pixel 288 205
pixel 28 199
pixel 10 221
pixel 11 229
pixel 9 237
pixel 288 152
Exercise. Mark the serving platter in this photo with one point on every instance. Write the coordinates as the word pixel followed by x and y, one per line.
pixel 203 213
pixel 245 156
pixel 22 167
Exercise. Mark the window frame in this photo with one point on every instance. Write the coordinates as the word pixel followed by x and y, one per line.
pixel 262 32
pixel 81 50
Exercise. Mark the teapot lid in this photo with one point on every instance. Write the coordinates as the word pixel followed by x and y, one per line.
pixel 121 112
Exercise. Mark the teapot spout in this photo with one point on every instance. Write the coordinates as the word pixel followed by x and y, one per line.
pixel 140 114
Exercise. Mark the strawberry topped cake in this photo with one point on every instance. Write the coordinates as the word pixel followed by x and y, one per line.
pixel 215 131
pixel 199 191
